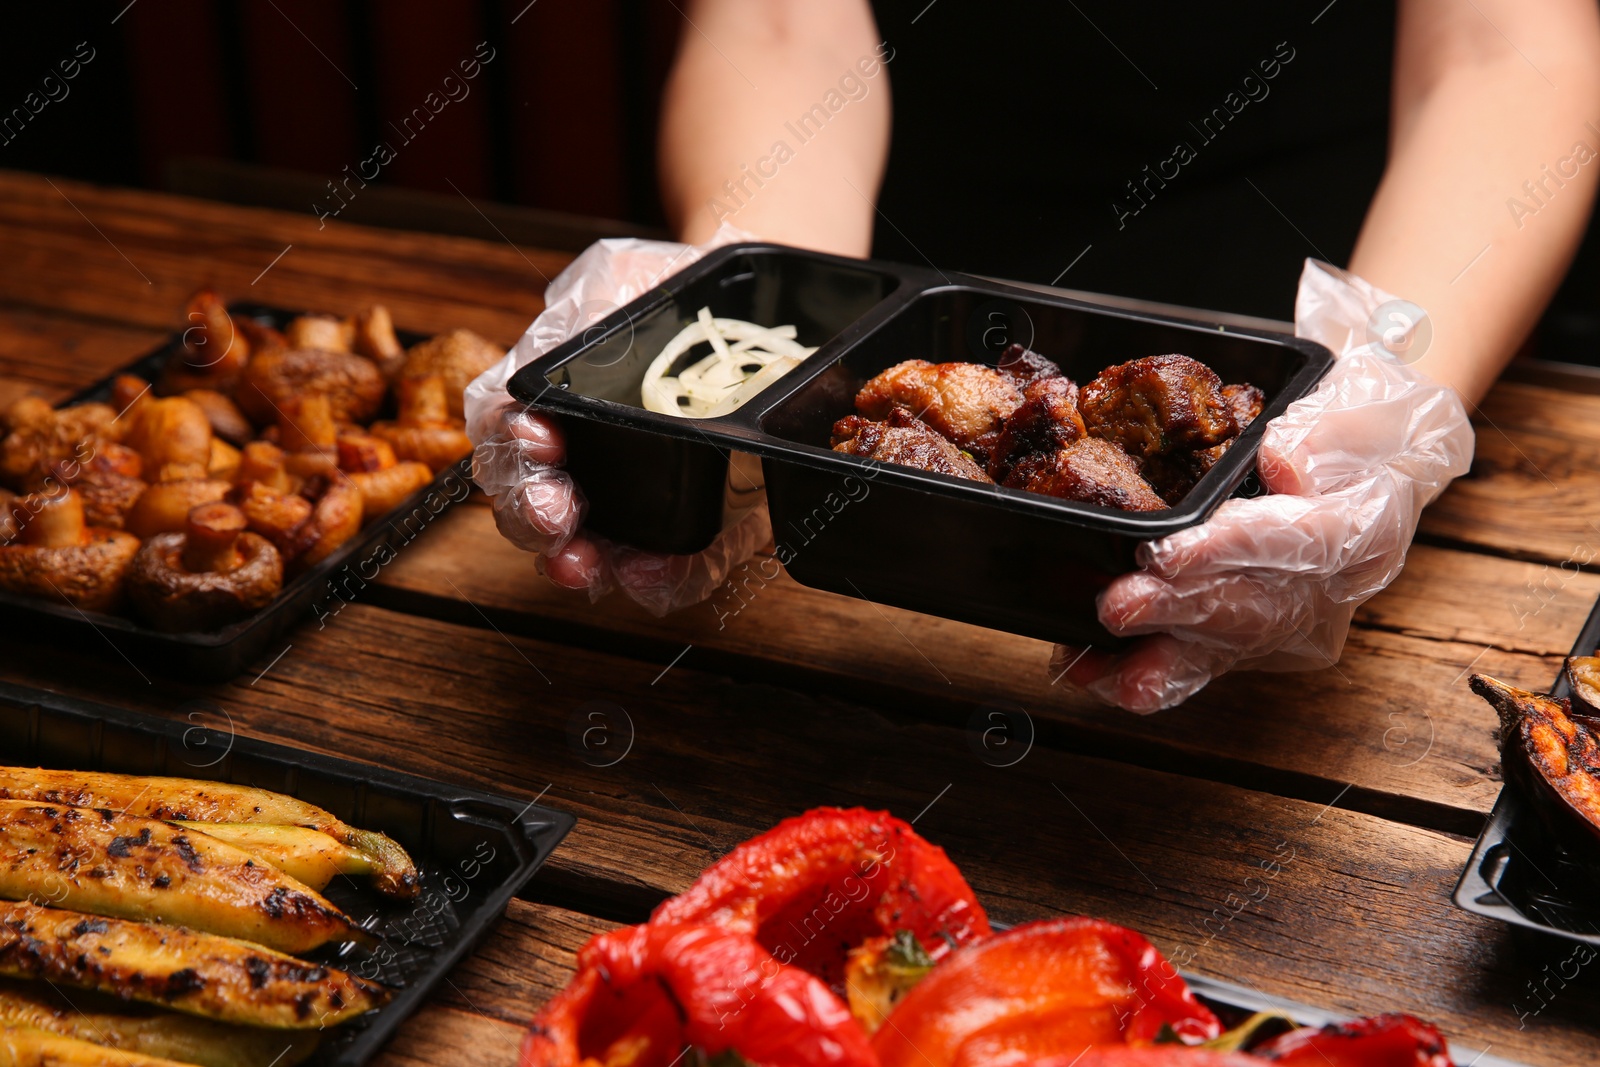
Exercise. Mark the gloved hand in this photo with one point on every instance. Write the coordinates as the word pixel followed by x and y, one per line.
pixel 1271 583
pixel 519 453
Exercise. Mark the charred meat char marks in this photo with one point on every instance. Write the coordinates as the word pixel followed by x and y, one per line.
pixel 962 401
pixel 1136 438
pixel 1158 405
pixel 903 438
pixel 1095 472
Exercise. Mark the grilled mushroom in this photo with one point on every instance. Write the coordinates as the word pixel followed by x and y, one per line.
pixel 214 350
pixel 165 506
pixel 211 574
pixel 424 432
pixel 353 385
pixel 38 437
pixel 55 554
pixel 172 435
pixel 374 337
pixel 458 357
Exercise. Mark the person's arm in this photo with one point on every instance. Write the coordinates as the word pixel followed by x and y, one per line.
pixel 1488 96
pixel 747 133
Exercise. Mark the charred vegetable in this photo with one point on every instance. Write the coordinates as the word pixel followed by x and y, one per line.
pixel 133 1029
pixel 23 1046
pixel 1553 758
pixel 199 974
pixel 1583 674
pixel 137 868
pixel 186 800
pixel 309 856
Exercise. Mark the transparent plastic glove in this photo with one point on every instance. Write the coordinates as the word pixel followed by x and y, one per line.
pixel 519 454
pixel 1271 583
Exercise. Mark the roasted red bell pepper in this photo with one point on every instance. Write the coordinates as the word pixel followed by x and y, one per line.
pixel 1381 1041
pixel 815 886
pixel 1148 1056
pixel 643 993
pixel 1040 990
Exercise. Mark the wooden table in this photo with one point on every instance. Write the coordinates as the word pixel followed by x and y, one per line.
pixel 1366 781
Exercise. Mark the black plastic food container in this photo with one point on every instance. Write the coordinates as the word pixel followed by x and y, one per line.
pixel 1003 558
pixel 218 655
pixel 474 850
pixel 1521 874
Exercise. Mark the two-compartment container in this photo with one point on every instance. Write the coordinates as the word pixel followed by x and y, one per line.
pixel 979 553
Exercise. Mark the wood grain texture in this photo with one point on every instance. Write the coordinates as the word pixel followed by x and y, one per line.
pixel 460 663
pixel 1359 920
pixel 134 258
pixel 1534 482
pixel 1398 691
pixel 479 1014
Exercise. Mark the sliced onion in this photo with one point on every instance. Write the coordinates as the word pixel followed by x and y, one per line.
pixel 722 381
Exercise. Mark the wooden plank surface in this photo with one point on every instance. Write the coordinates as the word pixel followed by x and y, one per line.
pixel 1394 716
pixel 1360 920
pixel 461 664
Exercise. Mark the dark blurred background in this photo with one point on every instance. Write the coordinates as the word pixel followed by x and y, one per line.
pixel 267 102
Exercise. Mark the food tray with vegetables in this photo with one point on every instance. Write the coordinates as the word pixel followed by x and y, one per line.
pixel 258 467
pixel 183 893
pixel 1536 865
pixel 942 443
pixel 842 938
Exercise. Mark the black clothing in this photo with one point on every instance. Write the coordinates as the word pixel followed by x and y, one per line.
pixel 1198 151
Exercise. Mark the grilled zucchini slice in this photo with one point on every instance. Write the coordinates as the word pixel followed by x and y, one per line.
pixel 148 1031
pixel 136 868
pixel 308 856
pixel 199 974
pixel 189 800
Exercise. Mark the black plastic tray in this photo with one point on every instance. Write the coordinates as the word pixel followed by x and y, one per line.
pixel 999 557
pixel 475 850
pixel 1234 1004
pixel 1518 874
pixel 218 655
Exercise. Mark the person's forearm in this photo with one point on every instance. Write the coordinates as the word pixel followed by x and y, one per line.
pixel 1484 199
pixel 776 119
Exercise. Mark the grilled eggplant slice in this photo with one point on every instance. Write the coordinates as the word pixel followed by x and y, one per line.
pixel 136 868
pixel 199 974
pixel 22 1046
pixel 1554 760
pixel 188 800
pixel 309 856
pixel 135 1028
pixel 1583 674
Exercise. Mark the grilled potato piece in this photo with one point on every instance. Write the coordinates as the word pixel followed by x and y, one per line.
pixel 197 801
pixel 309 856
pixel 22 1046
pixel 136 868
pixel 134 1028
pixel 199 974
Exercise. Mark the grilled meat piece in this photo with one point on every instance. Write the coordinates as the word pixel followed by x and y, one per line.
pixel 963 401
pixel 198 974
pixel 1245 402
pixel 904 439
pixel 1025 366
pixel 199 801
pixel 99 861
pixel 1092 471
pixel 1174 474
pixel 1158 405
pixel 1047 422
